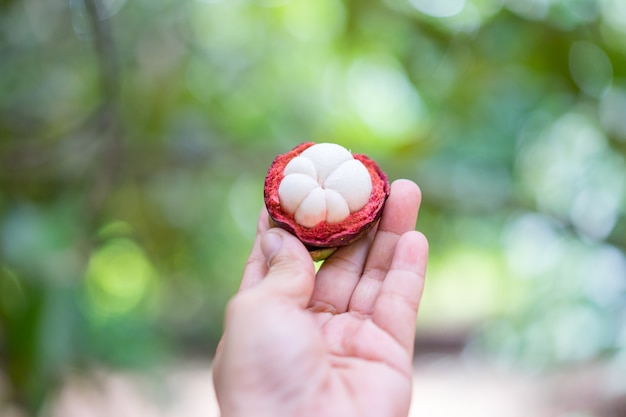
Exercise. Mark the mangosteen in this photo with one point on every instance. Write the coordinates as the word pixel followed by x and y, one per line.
pixel 324 195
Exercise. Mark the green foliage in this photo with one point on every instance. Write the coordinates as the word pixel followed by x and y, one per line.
pixel 135 136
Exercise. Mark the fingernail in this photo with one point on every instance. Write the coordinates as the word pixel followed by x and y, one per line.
pixel 271 244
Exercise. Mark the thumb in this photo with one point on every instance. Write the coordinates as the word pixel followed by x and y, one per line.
pixel 291 273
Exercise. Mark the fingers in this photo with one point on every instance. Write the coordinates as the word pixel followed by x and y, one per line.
pixel 352 277
pixel 397 304
pixel 399 216
pixel 256 266
pixel 338 277
pixel 291 274
pixel 279 263
pixel 279 272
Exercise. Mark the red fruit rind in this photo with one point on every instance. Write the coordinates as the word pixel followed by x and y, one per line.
pixel 326 235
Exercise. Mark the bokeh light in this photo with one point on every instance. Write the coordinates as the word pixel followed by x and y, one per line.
pixel 384 98
pixel 444 8
pixel 119 279
pixel 591 68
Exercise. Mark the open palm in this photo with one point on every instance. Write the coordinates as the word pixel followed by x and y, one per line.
pixel 336 344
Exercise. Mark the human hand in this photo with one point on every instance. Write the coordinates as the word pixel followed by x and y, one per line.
pixel 336 344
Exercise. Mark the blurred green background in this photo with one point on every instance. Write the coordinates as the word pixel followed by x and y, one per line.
pixel 135 137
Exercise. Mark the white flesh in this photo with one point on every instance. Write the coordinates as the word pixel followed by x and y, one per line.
pixel 324 183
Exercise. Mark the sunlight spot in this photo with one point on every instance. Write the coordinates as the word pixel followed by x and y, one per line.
pixel 568 323
pixel 532 245
pixel 468 277
pixel 314 20
pixel 591 68
pixel 383 97
pixel 612 110
pixel 119 277
pixel 441 8
pixel 614 12
pixel 572 173
pixel 605 268
pixel 530 9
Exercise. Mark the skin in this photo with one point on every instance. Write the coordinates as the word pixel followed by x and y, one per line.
pixel 336 344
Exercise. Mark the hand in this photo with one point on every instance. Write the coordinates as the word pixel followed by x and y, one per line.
pixel 339 344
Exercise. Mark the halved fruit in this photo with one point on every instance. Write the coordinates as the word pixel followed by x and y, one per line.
pixel 324 195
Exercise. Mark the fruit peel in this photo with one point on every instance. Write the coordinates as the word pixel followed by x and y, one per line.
pixel 324 236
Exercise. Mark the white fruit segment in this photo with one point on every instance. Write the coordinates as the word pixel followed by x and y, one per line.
pixel 324 183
